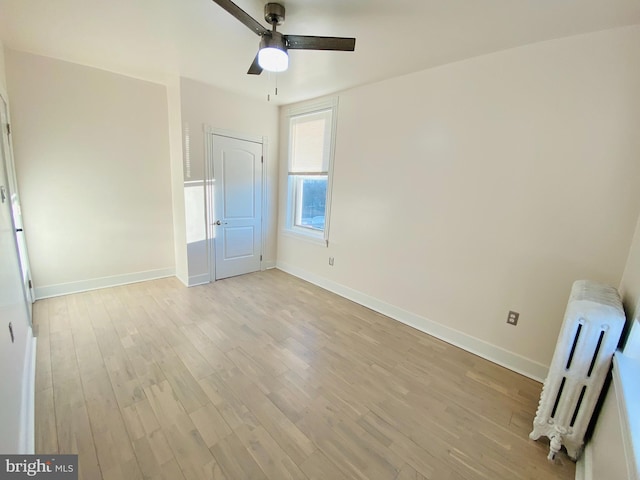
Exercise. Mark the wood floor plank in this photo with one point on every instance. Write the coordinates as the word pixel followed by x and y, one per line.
pixel 210 424
pixel 318 466
pixel 409 473
pixel 290 438
pixel 350 446
pixel 185 441
pixel 41 329
pixel 267 377
pixel 235 460
pixel 290 400
pixel 73 427
pixel 46 440
pixel 194 361
pixel 153 452
pixel 273 461
pixel 232 409
pixel 184 385
pixel 171 471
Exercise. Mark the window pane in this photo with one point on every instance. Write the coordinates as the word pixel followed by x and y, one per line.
pixel 311 201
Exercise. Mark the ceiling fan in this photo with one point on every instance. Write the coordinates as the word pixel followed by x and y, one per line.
pixel 272 55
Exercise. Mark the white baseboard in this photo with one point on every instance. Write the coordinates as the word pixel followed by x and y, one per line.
pixel 27 414
pixel 199 280
pixel 493 353
pixel 184 281
pixel 102 282
pixel 268 264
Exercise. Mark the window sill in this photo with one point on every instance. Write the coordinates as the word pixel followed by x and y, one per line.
pixel 305 237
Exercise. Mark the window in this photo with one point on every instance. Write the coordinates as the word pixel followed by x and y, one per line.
pixel 311 134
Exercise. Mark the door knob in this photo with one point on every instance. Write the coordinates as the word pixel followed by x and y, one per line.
pixel 218 222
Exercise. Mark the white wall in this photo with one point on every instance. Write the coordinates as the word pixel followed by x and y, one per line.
pixel 3 76
pixel 207 105
pixel 488 185
pixel 92 158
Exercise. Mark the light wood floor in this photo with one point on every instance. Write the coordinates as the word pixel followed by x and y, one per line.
pixel 267 376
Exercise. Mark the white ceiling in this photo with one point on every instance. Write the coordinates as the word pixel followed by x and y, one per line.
pixel 197 39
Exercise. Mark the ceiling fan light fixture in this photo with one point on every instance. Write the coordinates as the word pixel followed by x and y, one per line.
pixel 272 55
pixel 273 59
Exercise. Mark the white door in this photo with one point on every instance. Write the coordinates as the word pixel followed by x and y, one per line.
pixel 14 202
pixel 237 210
pixel 15 333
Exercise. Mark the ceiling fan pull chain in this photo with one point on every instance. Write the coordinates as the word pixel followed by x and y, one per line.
pixel 275 76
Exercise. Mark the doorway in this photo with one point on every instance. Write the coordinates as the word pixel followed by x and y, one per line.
pixel 234 205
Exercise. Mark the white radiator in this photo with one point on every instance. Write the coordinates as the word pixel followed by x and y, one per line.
pixel 591 329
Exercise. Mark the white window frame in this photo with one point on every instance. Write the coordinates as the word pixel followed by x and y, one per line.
pixel 315 235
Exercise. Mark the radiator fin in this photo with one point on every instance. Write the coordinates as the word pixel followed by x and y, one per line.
pixel 577 409
pixel 558 396
pixel 573 347
pixel 595 354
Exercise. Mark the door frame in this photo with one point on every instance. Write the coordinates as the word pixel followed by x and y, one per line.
pixel 209 134
pixel 24 380
pixel 12 188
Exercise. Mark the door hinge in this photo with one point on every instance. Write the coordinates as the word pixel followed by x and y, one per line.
pixel 260 257
pixel 262 159
pixel 30 284
pixel 8 129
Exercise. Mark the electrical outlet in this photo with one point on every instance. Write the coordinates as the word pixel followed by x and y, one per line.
pixel 512 318
pixel 331 261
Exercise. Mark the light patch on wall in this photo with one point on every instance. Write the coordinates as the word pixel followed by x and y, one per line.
pixel 187 151
pixel 194 208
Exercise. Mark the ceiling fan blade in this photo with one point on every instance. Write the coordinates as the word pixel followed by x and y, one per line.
pixel 253 25
pixel 255 68
pixel 306 42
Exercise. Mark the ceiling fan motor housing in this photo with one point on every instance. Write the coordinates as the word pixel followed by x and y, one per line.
pixel 274 13
pixel 273 40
